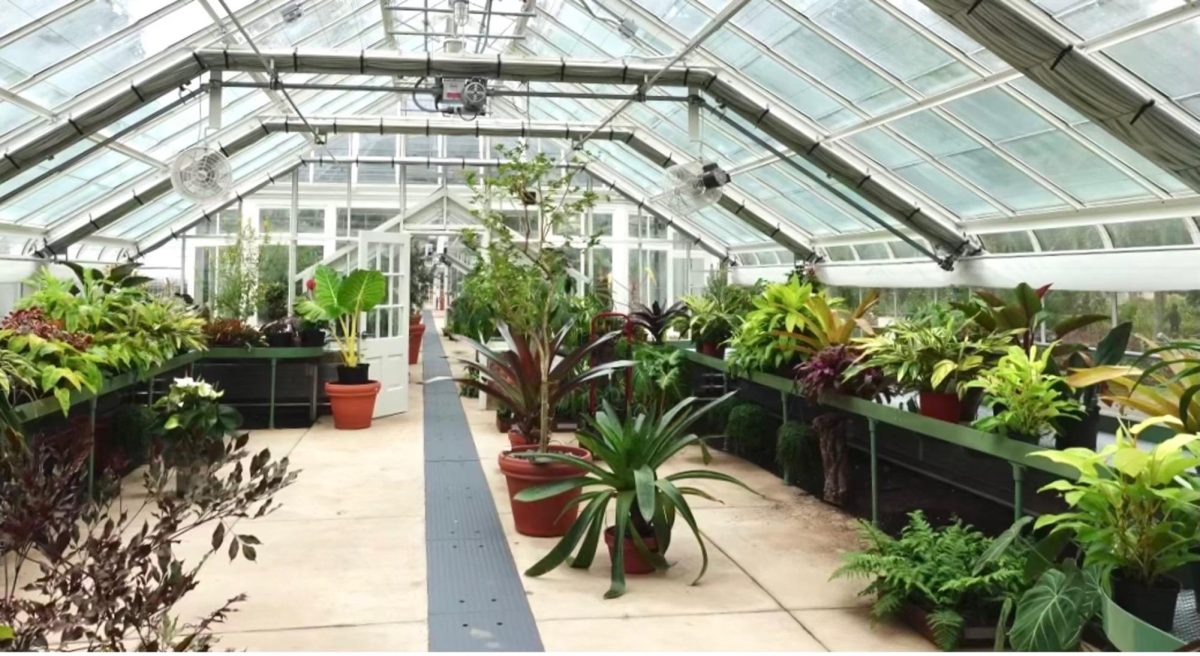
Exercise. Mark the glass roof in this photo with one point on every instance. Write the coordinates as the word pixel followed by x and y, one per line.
pixel 904 96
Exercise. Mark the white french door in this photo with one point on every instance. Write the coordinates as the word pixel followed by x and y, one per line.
pixel 385 334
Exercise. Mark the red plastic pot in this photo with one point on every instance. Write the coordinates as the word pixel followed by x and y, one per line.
pixel 634 563
pixel 940 405
pixel 547 518
pixel 352 405
pixel 711 349
pixel 416 332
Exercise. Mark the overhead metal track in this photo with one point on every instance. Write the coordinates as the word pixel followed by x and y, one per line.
pixel 58 240
pixel 1056 62
pixel 747 103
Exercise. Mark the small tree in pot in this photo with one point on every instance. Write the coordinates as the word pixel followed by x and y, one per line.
pixel 525 209
pixel 341 301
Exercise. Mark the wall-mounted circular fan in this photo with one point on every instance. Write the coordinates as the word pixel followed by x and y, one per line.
pixel 691 186
pixel 201 173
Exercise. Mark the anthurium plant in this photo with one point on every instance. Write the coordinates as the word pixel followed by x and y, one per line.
pixel 341 300
pixel 647 504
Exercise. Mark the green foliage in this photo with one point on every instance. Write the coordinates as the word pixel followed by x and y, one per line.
pixel 937 570
pixel 194 424
pixel 646 504
pixel 792 320
pixel 341 300
pixel 1052 613
pixel 718 312
pixel 528 271
pixel 1128 509
pixel 658 376
pixel 1168 386
pixel 798 454
pixel 130 328
pixel 17 374
pixel 420 278
pixel 750 429
pixel 1025 313
pixel 656 319
pixel 921 355
pixel 238 267
pixel 61 369
pixel 1027 399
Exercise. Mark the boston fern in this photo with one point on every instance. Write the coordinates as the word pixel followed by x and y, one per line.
pixel 936 570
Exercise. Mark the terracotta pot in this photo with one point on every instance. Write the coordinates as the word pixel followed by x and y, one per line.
pixel 516 438
pixel 547 518
pixel 352 405
pixel 941 405
pixel 416 332
pixel 634 563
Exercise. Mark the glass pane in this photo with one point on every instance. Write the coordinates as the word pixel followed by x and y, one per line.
pixel 1165 232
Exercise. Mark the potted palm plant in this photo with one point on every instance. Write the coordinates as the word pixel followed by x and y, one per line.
pixel 341 301
pixel 646 503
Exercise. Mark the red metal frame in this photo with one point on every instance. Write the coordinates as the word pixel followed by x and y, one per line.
pixel 629 333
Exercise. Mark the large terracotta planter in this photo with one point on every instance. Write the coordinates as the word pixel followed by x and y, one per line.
pixel 940 405
pixel 634 563
pixel 416 332
pixel 352 405
pixel 547 518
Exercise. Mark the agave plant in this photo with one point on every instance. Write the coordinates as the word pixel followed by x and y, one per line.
pixel 656 319
pixel 514 377
pixel 646 504
pixel 1168 387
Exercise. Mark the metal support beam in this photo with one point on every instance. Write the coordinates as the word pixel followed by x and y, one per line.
pixel 58 240
pixel 1129 110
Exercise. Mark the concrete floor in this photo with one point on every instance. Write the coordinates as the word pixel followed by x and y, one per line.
pixel 342 564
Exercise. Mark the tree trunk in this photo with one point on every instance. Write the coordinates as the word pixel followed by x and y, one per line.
pixel 832 428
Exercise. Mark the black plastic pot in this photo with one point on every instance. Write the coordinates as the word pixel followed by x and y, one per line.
pixel 353 375
pixel 1153 604
pixel 310 337
pixel 1079 431
pixel 277 340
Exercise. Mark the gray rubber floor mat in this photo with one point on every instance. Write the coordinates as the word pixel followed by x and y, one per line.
pixel 476 600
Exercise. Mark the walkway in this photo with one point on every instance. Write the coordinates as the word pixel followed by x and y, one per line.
pixel 342 566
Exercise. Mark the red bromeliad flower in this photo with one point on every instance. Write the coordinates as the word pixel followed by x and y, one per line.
pixel 310 284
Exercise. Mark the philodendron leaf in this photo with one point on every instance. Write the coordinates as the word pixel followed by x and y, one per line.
pixel 1051 615
pixel 362 291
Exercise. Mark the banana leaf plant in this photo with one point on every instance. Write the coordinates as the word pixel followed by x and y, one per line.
pixel 1026 310
pixel 1167 386
pixel 656 319
pixel 646 504
pixel 514 376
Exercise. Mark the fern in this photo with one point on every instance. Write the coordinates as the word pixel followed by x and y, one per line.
pixel 947 627
pixel 941 570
